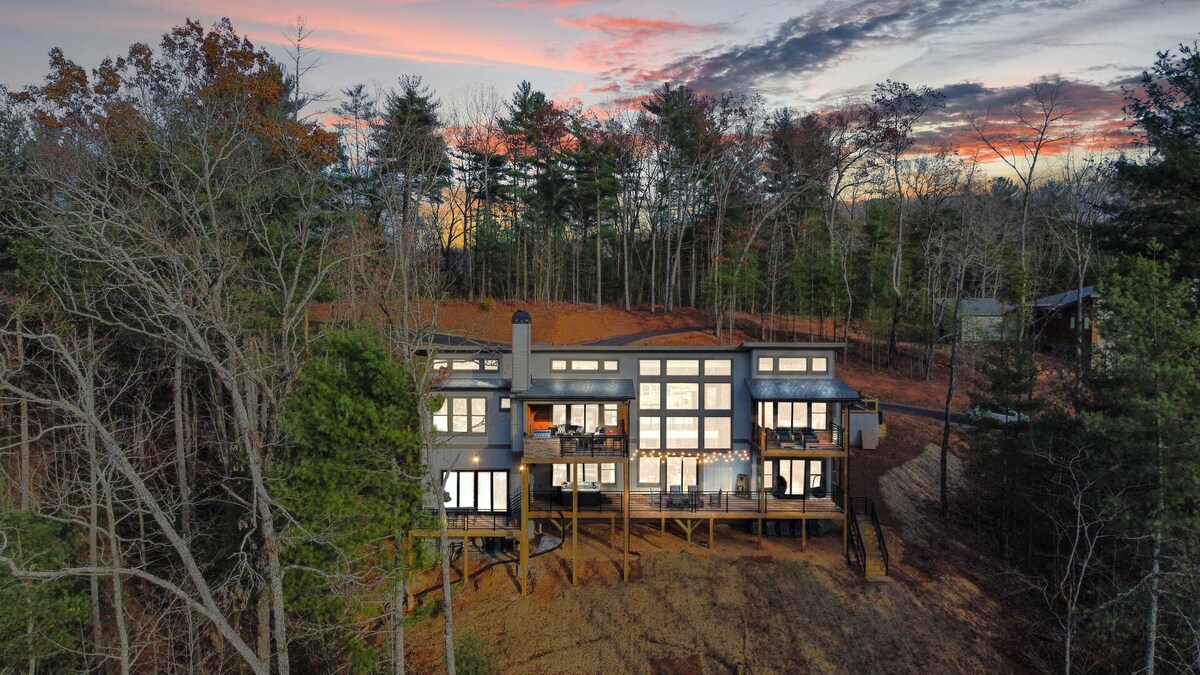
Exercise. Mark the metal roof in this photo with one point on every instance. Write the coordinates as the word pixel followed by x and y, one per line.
pixel 1065 298
pixel 473 383
pixel 976 306
pixel 812 389
pixel 569 389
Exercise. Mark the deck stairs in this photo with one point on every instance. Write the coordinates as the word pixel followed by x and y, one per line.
pixel 870 548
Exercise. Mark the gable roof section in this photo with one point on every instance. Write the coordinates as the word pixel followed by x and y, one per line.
pixel 455 383
pixel 779 389
pixel 976 306
pixel 1065 298
pixel 571 389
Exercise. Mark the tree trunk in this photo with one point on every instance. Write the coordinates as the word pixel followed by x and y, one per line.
pixel 118 591
pixel 26 470
pixel 944 478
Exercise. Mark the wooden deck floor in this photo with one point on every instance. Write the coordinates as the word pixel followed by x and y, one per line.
pixel 646 506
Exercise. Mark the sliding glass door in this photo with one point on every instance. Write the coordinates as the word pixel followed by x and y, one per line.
pixel 477 490
pixel 797 476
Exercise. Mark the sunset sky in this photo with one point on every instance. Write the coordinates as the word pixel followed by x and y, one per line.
pixel 802 54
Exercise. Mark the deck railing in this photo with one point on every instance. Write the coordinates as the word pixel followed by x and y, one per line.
pixel 474 518
pixel 856 541
pixel 798 438
pixel 883 552
pixel 594 445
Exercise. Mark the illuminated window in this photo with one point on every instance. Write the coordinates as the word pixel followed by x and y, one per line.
pixel 716 433
pixel 649 396
pixel 608 474
pixel 683 367
pixel 558 364
pixel 464 365
pixel 766 364
pixel 718 396
pixel 718 367
pixel 820 364
pixel 683 433
pixel 649 433
pixel 612 366
pixel 649 367
pixel 683 395
pixel 793 364
pixel 648 471
pixel 585 365
pixel 461 415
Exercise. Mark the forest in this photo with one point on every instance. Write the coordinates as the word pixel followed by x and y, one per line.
pixel 195 477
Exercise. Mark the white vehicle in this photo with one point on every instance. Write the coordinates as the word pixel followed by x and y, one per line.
pixel 979 413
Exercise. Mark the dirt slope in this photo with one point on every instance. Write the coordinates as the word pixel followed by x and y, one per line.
pixel 695 610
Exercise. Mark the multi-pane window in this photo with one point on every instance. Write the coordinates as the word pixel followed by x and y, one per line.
pixel 716 433
pixel 785 415
pixel 478 490
pixel 681 471
pixel 718 396
pixel 683 395
pixel 683 367
pixel 587 416
pixel 793 364
pixel 796 476
pixel 683 433
pixel 649 396
pixel 718 367
pixel 462 415
pixel 820 416
pixel 649 433
pixel 651 367
pixel 648 471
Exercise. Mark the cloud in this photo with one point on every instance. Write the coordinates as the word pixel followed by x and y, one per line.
pixel 815 41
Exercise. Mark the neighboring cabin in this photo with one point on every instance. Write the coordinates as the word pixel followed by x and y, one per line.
pixel 981 318
pixel 1054 319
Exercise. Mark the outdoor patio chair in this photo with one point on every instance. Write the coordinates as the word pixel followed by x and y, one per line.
pixel 693 495
pixel 715 500
pixel 656 499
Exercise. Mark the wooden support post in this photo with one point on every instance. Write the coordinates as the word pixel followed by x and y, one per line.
pixel 803 535
pixel 662 526
pixel 760 532
pixel 524 529
pixel 574 524
pixel 845 481
pixel 710 532
pixel 612 531
pixel 466 561
pixel 625 510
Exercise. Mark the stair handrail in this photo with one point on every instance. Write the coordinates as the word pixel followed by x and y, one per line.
pixel 879 535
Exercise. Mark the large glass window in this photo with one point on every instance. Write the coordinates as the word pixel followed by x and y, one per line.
pixel 651 367
pixel 562 474
pixel 683 367
pixel 649 396
pixel 649 433
pixel 477 490
pixel 587 416
pixel 718 396
pixel 716 433
pixel 648 471
pixel 681 471
pixel 461 415
pixel 608 474
pixel 799 476
pixel 683 395
pixel 718 367
pixel 683 433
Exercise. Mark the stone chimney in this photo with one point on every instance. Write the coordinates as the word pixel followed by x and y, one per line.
pixel 522 327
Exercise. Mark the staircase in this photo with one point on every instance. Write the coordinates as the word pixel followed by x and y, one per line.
pixel 869 546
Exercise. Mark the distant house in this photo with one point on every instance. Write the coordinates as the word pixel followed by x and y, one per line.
pixel 981 317
pixel 1054 319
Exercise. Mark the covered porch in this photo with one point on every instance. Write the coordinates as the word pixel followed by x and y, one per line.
pixel 577 418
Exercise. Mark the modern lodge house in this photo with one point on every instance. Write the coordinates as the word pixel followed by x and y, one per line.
pixel 757 433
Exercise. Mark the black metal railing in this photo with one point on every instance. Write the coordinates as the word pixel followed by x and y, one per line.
pixel 594 445
pixel 883 552
pixel 559 499
pixel 856 542
pixel 797 438
pixel 812 500
pixel 474 518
